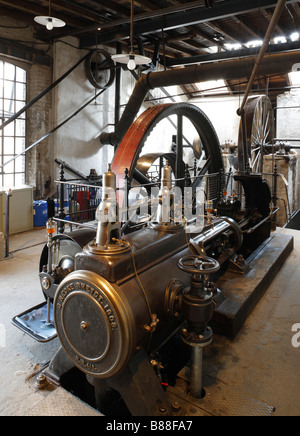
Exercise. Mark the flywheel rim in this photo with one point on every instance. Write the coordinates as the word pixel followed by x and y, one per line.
pixel 260 127
pixel 128 152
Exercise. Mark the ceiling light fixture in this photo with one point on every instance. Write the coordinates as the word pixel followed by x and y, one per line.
pixel 49 21
pixel 131 59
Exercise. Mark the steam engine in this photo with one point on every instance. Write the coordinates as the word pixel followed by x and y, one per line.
pixel 119 300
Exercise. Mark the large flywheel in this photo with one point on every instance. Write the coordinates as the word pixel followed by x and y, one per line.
pixel 179 133
pixel 260 128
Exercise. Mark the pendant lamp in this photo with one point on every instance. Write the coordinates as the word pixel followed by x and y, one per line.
pixel 131 59
pixel 49 21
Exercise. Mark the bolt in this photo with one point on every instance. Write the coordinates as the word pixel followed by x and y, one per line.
pixel 46 283
pixel 84 326
pixel 41 381
pixel 163 410
pixel 176 406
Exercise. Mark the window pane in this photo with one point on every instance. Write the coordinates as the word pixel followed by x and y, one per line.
pixel 19 106
pixel 8 180
pixel 1 87
pixel 9 89
pixel 9 71
pixel 20 145
pixel 20 75
pixel 20 91
pixel 8 168
pixel 9 108
pixel 8 146
pixel 20 127
pixel 19 179
pixel 9 130
pixel 20 164
pixel 1 69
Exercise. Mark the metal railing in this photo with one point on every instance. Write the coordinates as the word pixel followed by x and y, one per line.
pixel 77 200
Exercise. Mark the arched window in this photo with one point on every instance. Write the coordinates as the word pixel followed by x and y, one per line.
pixel 12 137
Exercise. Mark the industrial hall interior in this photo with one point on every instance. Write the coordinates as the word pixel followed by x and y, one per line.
pixel 149 209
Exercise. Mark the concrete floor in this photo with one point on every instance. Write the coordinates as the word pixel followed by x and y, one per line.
pixel 261 361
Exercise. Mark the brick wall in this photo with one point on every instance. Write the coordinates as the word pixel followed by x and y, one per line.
pixel 39 160
pixel 36 59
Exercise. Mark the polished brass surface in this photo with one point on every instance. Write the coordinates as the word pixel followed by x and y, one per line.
pixel 94 323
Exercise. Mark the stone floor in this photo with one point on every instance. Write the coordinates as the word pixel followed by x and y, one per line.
pixel 260 362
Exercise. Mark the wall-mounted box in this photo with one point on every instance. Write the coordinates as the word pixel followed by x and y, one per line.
pixel 20 210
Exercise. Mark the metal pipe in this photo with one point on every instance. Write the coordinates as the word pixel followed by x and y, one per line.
pixel 286 140
pixel 261 222
pixel 196 372
pixel 272 64
pixel 8 195
pixel 243 159
pixel 273 23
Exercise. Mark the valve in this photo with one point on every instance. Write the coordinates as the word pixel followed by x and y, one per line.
pixel 197 300
pixel 199 265
pixel 197 307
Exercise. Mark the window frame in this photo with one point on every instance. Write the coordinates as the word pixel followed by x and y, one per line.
pixel 13 137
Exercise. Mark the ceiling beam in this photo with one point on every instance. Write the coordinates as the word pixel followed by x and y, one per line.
pixel 268 16
pixel 173 18
pixel 35 9
pixel 244 26
pixel 233 54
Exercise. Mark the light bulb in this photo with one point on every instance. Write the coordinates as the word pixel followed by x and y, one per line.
pixel 49 25
pixel 131 64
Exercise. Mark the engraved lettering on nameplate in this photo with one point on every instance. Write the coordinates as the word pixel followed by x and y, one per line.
pixel 86 365
pixel 81 286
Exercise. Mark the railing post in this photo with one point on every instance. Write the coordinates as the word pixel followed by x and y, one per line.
pixel 8 194
pixel 61 200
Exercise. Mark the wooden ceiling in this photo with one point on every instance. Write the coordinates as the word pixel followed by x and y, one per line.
pixel 173 32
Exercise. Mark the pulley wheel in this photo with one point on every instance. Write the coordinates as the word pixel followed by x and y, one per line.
pixel 100 69
pixel 260 126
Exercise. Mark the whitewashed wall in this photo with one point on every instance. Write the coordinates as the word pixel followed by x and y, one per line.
pixel 222 112
pixel 77 141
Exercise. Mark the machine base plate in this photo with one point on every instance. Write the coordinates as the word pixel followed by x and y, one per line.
pixel 220 399
pixel 242 293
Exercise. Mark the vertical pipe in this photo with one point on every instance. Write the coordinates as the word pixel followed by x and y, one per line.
pixel 61 201
pixel 8 195
pixel 118 89
pixel 179 151
pixel 196 372
pixel 48 311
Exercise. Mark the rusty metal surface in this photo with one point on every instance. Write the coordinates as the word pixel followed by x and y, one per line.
pixel 128 151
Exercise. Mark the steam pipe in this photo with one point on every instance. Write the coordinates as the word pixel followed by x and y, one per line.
pixel 273 23
pixel 236 69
